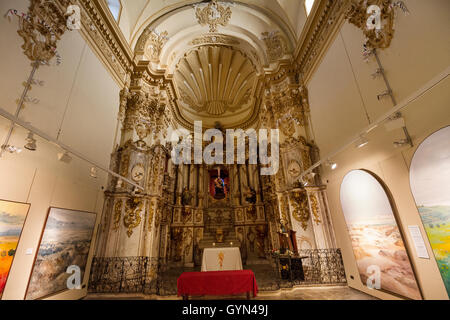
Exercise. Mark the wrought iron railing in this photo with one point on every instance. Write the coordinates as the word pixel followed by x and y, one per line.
pixel 149 276
pixel 323 266
pixel 124 275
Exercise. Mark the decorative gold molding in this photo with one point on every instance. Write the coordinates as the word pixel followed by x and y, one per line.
pixel 315 208
pixel 132 217
pixel 357 15
pixel 214 39
pixel 300 206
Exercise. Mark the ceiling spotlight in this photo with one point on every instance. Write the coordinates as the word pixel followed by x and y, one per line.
pixel 31 142
pixel 401 143
pixel 12 149
pixel 362 141
pixel 94 172
pixel 64 157
pixel 332 165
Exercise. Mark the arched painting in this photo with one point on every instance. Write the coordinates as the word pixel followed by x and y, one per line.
pixel 430 185
pixel 377 242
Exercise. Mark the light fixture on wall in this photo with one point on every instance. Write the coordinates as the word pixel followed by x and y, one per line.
pixel 386 93
pixel 64 157
pixel 332 165
pixel 361 142
pixel 11 149
pixel 93 173
pixel 31 142
pixel 377 73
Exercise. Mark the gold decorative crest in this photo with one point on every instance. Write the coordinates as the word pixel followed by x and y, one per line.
pixel 213 15
pixel 300 211
pixel 314 208
pixel 132 217
pixel 358 15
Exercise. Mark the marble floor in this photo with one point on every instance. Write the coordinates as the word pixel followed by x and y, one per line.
pixel 301 293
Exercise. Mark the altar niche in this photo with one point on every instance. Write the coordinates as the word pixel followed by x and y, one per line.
pixel 219 183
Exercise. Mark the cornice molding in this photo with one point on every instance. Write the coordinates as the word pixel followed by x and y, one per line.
pixel 323 23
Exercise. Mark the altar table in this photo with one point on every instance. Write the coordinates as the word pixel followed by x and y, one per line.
pixel 221 259
pixel 217 283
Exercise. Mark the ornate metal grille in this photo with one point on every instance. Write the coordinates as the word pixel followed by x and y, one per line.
pixel 150 276
pixel 320 266
pixel 124 275
pixel 323 266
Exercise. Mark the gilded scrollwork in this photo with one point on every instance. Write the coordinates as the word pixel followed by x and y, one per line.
pixel 360 15
pixel 300 207
pixel 315 208
pixel 132 218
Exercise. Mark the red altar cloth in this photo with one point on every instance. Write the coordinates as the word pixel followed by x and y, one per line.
pixel 217 283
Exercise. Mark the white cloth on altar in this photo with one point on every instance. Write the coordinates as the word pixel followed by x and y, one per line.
pixel 221 259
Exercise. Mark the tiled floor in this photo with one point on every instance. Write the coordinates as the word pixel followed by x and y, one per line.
pixel 304 293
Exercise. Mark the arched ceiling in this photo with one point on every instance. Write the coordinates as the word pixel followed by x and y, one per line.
pixel 215 51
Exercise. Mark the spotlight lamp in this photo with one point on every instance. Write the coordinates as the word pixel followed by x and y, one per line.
pixel 64 157
pixel 332 165
pixel 11 149
pixel 362 141
pixel 31 142
pixel 93 172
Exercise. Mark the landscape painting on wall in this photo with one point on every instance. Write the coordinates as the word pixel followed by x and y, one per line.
pixel 65 242
pixel 430 184
pixel 12 219
pixel 376 239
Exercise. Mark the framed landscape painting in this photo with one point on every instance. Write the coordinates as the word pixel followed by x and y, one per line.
pixel 377 241
pixel 12 219
pixel 430 185
pixel 65 242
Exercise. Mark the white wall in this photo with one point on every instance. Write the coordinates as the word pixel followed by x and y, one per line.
pixel 343 102
pixel 79 100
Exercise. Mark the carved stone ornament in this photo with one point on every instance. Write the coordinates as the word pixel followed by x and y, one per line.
pixel 213 15
pixel 358 15
pixel 300 206
pixel 132 217
pixel 214 39
pixel 285 105
pixel 276 45
pixel 144 113
pixel 155 43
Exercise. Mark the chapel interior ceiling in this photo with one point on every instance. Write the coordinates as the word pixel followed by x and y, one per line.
pixel 216 52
